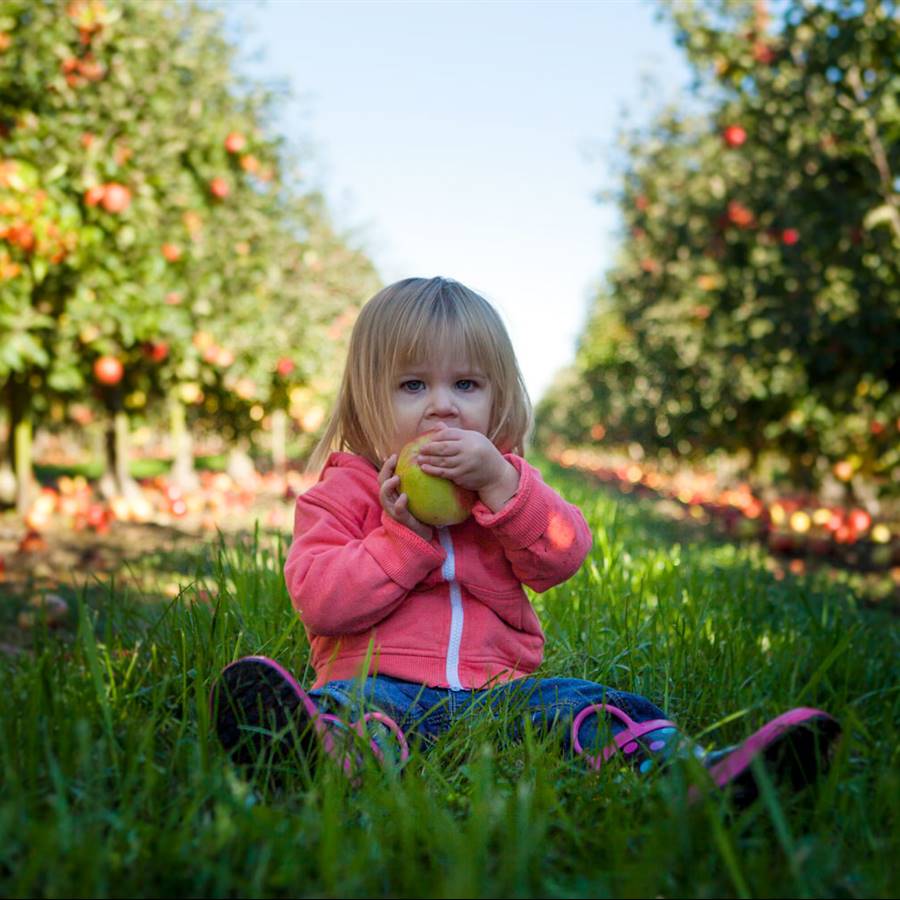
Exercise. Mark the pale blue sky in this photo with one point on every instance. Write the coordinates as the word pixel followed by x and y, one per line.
pixel 469 139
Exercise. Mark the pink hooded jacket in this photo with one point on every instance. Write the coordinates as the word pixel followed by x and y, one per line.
pixel 449 613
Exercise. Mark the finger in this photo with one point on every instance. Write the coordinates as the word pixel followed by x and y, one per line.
pixel 439 454
pixel 447 472
pixel 448 459
pixel 449 436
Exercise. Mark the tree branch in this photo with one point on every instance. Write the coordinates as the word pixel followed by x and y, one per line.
pixel 879 157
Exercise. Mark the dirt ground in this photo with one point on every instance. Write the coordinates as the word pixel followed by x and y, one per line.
pixel 41 574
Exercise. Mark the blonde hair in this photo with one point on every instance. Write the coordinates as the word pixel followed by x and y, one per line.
pixel 401 326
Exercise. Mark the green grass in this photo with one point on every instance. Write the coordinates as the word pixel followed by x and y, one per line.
pixel 150 467
pixel 113 784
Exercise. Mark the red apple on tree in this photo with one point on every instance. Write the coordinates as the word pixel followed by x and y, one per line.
pixel 108 370
pixel 116 197
pixel 739 215
pixel 156 351
pixel 224 357
pixel 734 135
pixel 219 188
pixel 235 142
pixel 21 234
pixel 93 195
pixel 172 252
pixel 843 470
pixel 763 53
pixel 790 236
pixel 91 69
pixel 285 366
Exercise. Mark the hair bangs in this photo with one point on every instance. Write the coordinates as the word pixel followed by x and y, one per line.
pixel 449 328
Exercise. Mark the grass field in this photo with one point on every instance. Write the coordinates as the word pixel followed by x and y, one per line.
pixel 113 784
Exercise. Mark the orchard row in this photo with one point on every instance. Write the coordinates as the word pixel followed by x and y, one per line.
pixel 755 303
pixel 162 260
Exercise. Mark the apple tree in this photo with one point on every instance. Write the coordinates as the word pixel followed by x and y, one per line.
pixel 755 303
pixel 148 238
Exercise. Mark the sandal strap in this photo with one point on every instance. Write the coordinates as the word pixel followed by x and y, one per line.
pixel 632 731
pixel 349 763
pixel 392 726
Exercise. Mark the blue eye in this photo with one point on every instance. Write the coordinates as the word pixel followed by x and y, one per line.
pixel 416 385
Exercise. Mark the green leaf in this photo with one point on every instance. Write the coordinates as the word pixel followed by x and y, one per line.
pixel 55 173
pixel 22 349
pixel 39 270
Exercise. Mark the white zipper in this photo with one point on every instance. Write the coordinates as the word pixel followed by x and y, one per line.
pixel 448 571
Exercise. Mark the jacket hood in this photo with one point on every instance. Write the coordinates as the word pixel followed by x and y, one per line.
pixel 341 460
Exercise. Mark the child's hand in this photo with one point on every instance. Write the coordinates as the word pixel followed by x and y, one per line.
pixel 469 459
pixel 395 504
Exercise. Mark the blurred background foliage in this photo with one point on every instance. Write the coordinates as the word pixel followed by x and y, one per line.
pixel 164 265
pixel 754 308
pixel 161 260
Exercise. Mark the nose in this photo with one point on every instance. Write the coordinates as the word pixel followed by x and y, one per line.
pixel 442 403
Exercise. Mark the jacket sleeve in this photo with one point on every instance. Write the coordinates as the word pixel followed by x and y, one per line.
pixel 544 538
pixel 342 581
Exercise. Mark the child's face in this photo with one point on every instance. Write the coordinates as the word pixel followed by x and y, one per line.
pixel 444 390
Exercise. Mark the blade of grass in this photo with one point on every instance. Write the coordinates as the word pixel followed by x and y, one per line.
pixel 829 661
pixel 88 642
pixel 727 852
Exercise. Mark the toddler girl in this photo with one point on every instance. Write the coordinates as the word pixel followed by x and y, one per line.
pixel 411 626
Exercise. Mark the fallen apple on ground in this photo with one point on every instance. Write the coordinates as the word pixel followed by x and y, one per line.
pixel 432 500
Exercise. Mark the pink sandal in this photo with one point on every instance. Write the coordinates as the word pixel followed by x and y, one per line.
pixel 796 746
pixel 258 707
pixel 633 741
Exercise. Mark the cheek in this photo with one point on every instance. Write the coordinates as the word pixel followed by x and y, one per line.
pixel 484 409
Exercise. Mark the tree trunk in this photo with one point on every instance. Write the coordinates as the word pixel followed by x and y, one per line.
pixel 116 480
pixel 18 454
pixel 279 441
pixel 182 474
pixel 240 465
pixel 7 476
pixel 7 483
pixel 26 487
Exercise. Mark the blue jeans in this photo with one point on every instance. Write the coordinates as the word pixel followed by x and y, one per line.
pixel 551 704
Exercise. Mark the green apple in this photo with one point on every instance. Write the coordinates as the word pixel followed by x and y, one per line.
pixel 432 500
